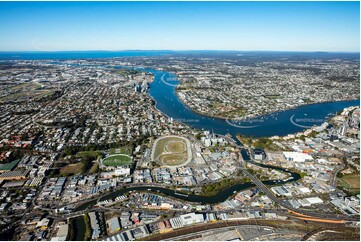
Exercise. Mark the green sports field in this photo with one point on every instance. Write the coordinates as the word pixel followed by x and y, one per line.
pixel 117 160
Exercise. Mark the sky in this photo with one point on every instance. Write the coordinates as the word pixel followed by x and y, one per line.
pixel 270 26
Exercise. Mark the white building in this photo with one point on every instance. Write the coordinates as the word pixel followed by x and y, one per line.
pixel 176 222
pixel 62 233
pixel 186 219
pixel 314 200
pixel 297 156
pixel 192 218
pixel 116 172
pixel 122 171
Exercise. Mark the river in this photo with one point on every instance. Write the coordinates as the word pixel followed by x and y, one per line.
pixel 280 123
pixel 220 197
pixel 164 94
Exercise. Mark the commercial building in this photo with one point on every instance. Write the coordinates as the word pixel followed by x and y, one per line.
pixel 186 219
pixel 297 156
pixel 94 223
pixel 62 233
pixel 13 175
pixel 259 154
pixel 114 225
pixel 8 166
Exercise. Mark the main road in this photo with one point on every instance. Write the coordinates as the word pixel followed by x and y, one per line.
pixel 299 212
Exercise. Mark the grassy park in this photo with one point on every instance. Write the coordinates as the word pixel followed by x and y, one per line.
pixel 122 150
pixel 94 154
pixel 350 182
pixel 26 91
pixel 70 169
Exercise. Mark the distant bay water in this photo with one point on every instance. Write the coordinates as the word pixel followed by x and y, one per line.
pixel 63 55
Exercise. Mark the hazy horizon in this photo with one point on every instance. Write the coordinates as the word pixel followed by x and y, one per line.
pixel 190 50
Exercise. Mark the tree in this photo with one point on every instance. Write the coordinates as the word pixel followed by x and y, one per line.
pixel 303 174
pixel 87 235
pixel 198 136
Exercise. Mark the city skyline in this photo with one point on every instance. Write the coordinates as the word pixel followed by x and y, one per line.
pixel 239 26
